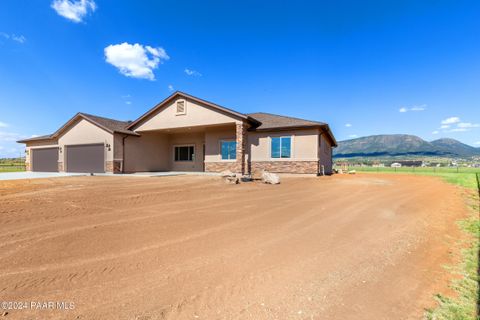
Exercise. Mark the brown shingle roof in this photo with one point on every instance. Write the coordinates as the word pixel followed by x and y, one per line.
pixel 275 121
pixel 110 124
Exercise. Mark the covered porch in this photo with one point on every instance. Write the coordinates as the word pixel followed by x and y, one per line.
pixel 206 148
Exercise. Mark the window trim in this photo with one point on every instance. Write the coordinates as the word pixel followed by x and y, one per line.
pixel 291 147
pixel 184 145
pixel 184 107
pixel 220 149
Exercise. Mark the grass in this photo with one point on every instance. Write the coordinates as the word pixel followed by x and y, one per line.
pixel 12 164
pixel 465 305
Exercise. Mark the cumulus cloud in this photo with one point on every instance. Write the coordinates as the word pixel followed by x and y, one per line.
pixel 135 60
pixel 348 125
pixel 451 120
pixel 353 136
pixel 454 124
pixel 422 107
pixel 468 125
pixel 74 10
pixel 435 132
pixel 193 73
pixel 170 87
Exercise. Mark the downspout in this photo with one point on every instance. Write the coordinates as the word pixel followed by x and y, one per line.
pixel 123 153
pixel 319 153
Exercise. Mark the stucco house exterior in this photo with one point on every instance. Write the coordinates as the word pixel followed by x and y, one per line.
pixel 185 133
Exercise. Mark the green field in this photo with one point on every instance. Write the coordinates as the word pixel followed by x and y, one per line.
pixel 12 165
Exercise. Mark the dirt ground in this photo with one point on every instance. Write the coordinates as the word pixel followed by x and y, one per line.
pixel 341 247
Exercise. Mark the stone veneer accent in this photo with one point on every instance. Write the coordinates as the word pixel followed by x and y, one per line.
pixel 60 167
pixel 220 166
pixel 109 166
pixel 284 166
pixel 113 166
pixel 241 138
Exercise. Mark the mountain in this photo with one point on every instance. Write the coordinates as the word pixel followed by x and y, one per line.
pixel 402 145
pixel 456 147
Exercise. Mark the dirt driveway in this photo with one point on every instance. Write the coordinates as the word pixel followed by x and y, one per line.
pixel 342 247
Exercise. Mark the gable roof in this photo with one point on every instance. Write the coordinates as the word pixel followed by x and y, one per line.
pixel 107 124
pixel 271 122
pixel 198 100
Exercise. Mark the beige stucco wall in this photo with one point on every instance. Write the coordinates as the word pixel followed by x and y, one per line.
pixel 84 132
pixel 325 154
pixel 197 139
pixel 196 115
pixel 212 143
pixel 150 152
pixel 304 145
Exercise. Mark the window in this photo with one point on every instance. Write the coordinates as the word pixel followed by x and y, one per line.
pixel 281 147
pixel 229 150
pixel 184 153
pixel 181 109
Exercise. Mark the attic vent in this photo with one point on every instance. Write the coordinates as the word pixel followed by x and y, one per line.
pixel 181 109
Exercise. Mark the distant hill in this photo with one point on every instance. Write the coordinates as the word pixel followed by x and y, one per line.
pixel 402 145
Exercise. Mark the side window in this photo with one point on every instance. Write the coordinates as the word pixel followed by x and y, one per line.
pixel 229 150
pixel 281 147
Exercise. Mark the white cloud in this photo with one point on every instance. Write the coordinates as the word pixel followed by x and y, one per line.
pixel 3 125
pixel 468 125
pixel 422 107
pixel 353 136
pixel 458 130
pixel 444 126
pixel 348 125
pixel 135 60
pixel 74 10
pixel 192 73
pixel 170 87
pixel 17 38
pixel 128 102
pixel 435 132
pixel 451 120
pixel 478 142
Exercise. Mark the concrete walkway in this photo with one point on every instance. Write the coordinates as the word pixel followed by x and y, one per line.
pixel 36 175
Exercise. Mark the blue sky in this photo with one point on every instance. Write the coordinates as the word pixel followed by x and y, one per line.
pixel 365 67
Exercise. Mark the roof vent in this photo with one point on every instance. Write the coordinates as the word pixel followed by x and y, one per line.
pixel 181 107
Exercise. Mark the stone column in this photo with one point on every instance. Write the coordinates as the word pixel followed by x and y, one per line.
pixel 241 137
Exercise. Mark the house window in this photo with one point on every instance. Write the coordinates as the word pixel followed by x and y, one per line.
pixel 181 108
pixel 281 147
pixel 229 150
pixel 184 153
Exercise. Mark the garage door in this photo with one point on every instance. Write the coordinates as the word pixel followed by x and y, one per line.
pixel 45 160
pixel 88 158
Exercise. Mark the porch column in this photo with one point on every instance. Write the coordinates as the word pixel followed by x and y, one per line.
pixel 241 137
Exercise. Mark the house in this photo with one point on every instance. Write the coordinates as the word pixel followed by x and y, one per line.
pixel 185 133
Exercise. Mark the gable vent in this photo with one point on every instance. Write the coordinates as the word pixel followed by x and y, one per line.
pixel 181 109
